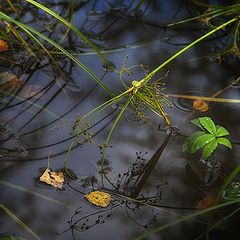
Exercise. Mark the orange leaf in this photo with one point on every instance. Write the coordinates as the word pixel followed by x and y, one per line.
pixel 3 46
pixel 206 202
pixel 200 105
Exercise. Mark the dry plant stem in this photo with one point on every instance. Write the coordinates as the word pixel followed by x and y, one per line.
pixel 209 99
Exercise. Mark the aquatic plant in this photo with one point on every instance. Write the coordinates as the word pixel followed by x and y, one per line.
pixel 141 91
pixel 212 16
pixel 208 139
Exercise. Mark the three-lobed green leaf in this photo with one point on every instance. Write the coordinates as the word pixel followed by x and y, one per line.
pixel 201 141
pixel 208 124
pixel 208 139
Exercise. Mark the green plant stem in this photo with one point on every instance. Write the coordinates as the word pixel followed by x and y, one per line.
pixel 87 70
pixel 150 75
pixel 68 24
pixel 222 189
pixel 112 128
pixel 18 221
pixel 20 188
pixel 184 218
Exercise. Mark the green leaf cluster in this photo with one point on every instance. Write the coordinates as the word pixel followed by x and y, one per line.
pixel 232 192
pixel 208 138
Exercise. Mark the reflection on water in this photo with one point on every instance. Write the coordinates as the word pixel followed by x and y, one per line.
pixel 41 99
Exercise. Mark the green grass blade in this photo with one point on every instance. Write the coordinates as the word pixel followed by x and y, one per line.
pixel 68 24
pixel 18 221
pixel 184 218
pixel 222 26
pixel 87 70
pixel 113 126
pixel 20 188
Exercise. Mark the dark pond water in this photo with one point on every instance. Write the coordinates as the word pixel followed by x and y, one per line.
pixel 42 105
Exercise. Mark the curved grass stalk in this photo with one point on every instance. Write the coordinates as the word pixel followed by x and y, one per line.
pixel 114 125
pixel 86 69
pixel 11 5
pixel 218 223
pixel 50 56
pixel 21 39
pixel 223 188
pixel 209 99
pixel 193 18
pixel 209 15
pixel 69 25
pixel 222 26
pixel 71 11
pixel 18 221
pixel 20 188
pixel 184 218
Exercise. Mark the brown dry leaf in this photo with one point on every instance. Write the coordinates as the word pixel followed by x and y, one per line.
pixel 206 202
pixel 98 198
pixel 200 105
pixel 55 179
pixel 3 46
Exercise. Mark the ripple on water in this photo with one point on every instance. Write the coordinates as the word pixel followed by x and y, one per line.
pixel 186 105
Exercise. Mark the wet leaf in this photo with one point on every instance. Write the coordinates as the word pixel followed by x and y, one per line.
pixel 200 141
pixel 208 124
pixel 221 131
pixel 3 46
pixel 197 123
pixel 55 179
pixel 98 198
pixel 188 144
pixel 200 105
pixel 209 148
pixel 225 142
pixel 206 202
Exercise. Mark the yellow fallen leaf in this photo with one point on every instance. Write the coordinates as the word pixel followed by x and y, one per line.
pixel 98 198
pixel 200 105
pixel 3 45
pixel 55 179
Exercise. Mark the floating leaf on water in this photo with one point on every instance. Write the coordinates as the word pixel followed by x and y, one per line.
pixel 98 198
pixel 3 46
pixel 200 105
pixel 206 202
pixel 55 179
pixel 9 82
